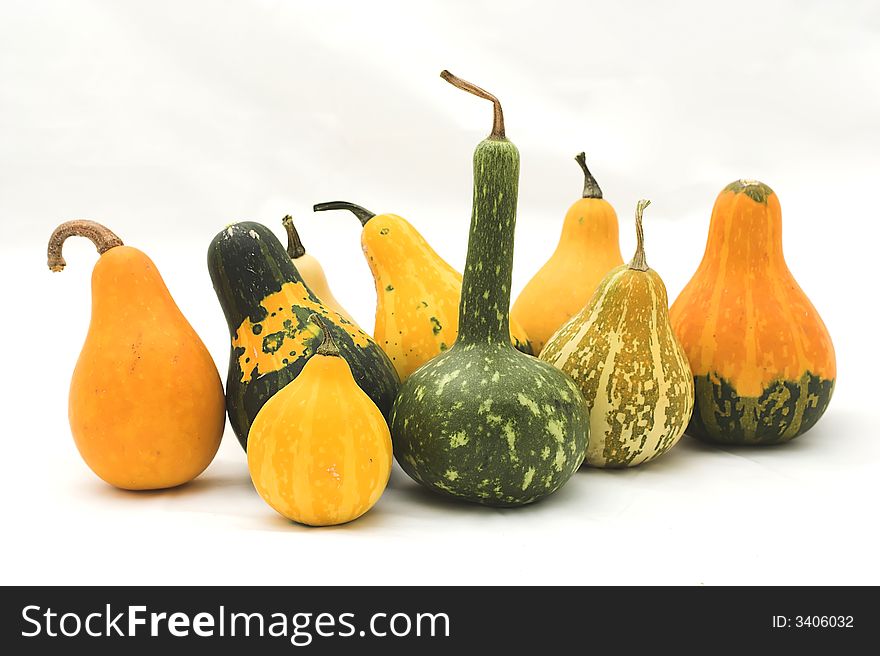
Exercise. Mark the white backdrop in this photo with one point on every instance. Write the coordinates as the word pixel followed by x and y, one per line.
pixel 167 120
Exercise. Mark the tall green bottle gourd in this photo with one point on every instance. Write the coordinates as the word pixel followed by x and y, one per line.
pixel 483 422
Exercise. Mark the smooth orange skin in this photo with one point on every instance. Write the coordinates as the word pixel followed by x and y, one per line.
pixel 146 402
pixel 743 316
pixel 423 288
pixel 588 249
pixel 319 451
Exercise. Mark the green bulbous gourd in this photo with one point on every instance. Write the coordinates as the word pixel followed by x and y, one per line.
pixel 483 422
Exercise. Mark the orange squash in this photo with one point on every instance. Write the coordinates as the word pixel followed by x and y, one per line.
pixel 762 359
pixel 588 249
pixel 319 450
pixel 146 404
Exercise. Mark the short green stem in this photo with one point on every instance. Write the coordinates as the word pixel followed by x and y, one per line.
pixel 328 346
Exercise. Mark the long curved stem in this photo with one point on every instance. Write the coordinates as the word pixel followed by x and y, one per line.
pixel 102 237
pixel 591 187
pixel 464 85
pixel 328 346
pixel 362 214
pixel 295 246
pixel 638 262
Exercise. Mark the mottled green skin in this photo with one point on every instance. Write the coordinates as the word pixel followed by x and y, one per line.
pixel 785 410
pixel 486 423
pixel 245 270
pixel 755 190
pixel 483 422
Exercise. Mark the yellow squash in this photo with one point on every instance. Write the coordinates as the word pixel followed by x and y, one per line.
pixel 319 451
pixel 588 249
pixel 311 270
pixel 417 292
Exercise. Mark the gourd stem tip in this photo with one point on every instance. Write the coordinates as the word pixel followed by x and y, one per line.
pixel 591 187
pixel 361 213
pixel 295 246
pixel 498 114
pixel 639 263
pixel 327 346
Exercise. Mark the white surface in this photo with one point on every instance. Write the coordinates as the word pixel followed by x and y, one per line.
pixel 167 120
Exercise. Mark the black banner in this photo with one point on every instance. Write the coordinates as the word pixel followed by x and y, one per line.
pixel 431 620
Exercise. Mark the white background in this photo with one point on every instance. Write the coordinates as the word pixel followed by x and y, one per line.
pixel 167 120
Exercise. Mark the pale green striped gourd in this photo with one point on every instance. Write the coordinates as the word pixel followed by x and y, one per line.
pixel 622 353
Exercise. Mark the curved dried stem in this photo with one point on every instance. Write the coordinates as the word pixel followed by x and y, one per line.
pixel 102 237
pixel 464 85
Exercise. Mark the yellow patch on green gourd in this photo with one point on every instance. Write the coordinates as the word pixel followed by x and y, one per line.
pixel 280 338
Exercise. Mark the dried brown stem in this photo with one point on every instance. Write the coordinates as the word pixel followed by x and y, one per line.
pixel 102 237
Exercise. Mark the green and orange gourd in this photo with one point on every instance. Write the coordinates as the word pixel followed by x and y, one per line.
pixel 588 249
pixel 762 359
pixel 417 291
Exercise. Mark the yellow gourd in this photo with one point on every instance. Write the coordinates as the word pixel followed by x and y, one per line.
pixel 311 270
pixel 417 291
pixel 319 451
pixel 588 249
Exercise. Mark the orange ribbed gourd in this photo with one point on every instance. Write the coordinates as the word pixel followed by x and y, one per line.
pixel 319 451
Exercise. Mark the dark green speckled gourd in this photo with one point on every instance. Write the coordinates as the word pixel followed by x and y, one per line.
pixel 267 306
pixel 483 422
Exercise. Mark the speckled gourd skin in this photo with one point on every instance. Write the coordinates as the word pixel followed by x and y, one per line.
pixel 633 373
pixel 417 295
pixel 482 422
pixel 267 307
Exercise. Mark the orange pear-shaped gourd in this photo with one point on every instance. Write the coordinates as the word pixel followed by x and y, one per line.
pixel 146 404
pixel 762 359
pixel 588 249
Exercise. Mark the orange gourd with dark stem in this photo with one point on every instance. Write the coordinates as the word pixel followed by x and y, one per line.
pixel 588 249
pixel 762 359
